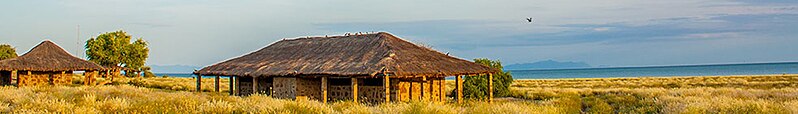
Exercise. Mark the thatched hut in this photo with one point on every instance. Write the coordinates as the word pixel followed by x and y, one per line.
pixel 373 68
pixel 45 64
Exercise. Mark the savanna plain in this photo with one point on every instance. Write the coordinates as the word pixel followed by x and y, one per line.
pixel 765 94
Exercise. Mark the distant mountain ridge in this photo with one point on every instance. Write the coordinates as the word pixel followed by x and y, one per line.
pixel 173 68
pixel 548 64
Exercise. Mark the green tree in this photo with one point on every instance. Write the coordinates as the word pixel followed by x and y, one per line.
pixel 116 49
pixel 147 72
pixel 476 87
pixel 7 52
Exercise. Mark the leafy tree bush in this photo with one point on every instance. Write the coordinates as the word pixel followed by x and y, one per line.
pixel 476 87
pixel 7 52
pixel 116 49
pixel 147 72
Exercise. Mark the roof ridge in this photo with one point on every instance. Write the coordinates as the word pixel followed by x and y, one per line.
pixel 345 35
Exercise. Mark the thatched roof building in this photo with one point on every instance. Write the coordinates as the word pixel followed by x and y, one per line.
pixel 354 55
pixel 41 64
pixel 47 56
pixel 376 67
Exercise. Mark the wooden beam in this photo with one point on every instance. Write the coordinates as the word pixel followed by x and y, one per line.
pixel 387 84
pixel 255 85
pixel 199 83
pixel 231 85
pixel 217 83
pixel 324 89
pixel 354 89
pixel 490 88
pixel 459 89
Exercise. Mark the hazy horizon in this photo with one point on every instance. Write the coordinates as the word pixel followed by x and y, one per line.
pixel 600 33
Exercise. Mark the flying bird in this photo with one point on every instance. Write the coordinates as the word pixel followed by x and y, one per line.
pixel 529 19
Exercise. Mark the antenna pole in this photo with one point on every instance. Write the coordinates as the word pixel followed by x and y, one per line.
pixel 77 50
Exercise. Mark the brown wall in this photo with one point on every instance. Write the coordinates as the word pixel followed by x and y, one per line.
pixel 309 88
pixel 244 85
pixel 44 78
pixel 408 89
pixel 285 87
pixel 370 90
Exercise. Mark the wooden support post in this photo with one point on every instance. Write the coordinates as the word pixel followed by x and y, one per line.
pixel 459 89
pixel 237 87
pixel 490 88
pixel 387 84
pixel 199 83
pixel 217 83
pixel 410 90
pixel 15 75
pixel 443 89
pixel 354 89
pixel 423 96
pixel 255 85
pixel 324 89
pixel 231 85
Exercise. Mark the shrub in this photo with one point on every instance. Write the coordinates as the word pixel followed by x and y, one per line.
pixel 148 74
pixel 7 52
pixel 476 87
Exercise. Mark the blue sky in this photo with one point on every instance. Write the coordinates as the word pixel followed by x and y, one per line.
pixel 601 33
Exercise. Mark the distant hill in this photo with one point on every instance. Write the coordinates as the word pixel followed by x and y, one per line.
pixel 548 64
pixel 173 68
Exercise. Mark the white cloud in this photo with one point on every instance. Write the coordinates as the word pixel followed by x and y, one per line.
pixel 601 29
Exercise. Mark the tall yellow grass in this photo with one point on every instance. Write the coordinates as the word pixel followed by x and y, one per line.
pixel 132 99
pixel 739 94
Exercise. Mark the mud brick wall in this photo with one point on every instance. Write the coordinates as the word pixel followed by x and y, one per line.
pixel 416 89
pixel 403 91
pixel 371 94
pixel 436 90
pixel 265 85
pixel 338 93
pixel 244 85
pixel 284 87
pixel 62 79
pixel 426 90
pixel 395 90
pixel 34 79
pixel 309 88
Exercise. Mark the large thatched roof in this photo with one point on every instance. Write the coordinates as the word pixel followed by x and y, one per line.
pixel 48 56
pixel 350 55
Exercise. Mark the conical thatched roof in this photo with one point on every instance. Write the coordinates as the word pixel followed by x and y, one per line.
pixel 351 55
pixel 48 56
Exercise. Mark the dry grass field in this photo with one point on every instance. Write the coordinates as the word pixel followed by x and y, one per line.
pixel 775 94
pixel 726 94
